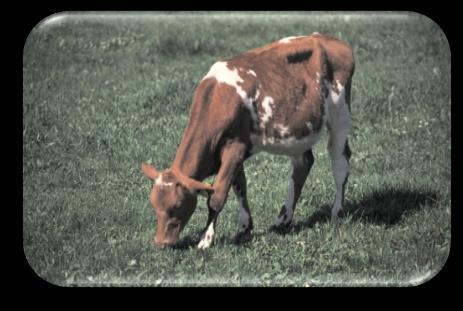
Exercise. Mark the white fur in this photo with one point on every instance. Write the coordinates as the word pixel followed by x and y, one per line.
pixel 251 72
pixel 223 74
pixel 339 118
pixel 283 130
pixel 289 39
pixel 335 94
pixel 207 238
pixel 290 146
pixel 160 182
pixel 309 126
pixel 268 113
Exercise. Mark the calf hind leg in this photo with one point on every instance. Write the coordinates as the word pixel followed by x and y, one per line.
pixel 245 224
pixel 300 169
pixel 340 153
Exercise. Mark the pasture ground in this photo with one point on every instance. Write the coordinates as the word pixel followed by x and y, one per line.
pixel 103 93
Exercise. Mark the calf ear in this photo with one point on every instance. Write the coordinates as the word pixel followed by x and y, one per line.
pixel 149 171
pixel 200 188
pixel 206 192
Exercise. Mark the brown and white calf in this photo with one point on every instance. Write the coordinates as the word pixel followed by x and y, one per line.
pixel 276 98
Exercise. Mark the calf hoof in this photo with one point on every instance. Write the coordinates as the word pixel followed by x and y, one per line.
pixel 207 239
pixel 242 237
pixel 205 244
pixel 281 228
pixel 335 212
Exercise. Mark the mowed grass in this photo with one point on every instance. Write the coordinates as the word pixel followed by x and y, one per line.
pixel 102 93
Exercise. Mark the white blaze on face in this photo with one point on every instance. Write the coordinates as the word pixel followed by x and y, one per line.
pixel 160 182
pixel 207 238
pixel 267 109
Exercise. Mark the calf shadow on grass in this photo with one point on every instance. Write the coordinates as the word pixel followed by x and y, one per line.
pixel 188 242
pixel 381 207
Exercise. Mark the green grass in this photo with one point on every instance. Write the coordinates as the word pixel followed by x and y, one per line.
pixel 104 93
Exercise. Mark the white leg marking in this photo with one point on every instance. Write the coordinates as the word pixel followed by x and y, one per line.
pixel 339 120
pixel 207 238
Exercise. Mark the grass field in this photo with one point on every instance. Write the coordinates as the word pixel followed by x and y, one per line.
pixel 102 93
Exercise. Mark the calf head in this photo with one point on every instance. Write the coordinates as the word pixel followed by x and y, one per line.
pixel 174 198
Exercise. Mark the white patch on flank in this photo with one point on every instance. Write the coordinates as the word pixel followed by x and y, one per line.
pixel 251 72
pixel 289 39
pixel 223 74
pixel 207 238
pixel 267 109
pixel 160 182
pixel 315 33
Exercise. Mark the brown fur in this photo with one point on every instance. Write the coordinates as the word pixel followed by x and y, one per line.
pixel 217 137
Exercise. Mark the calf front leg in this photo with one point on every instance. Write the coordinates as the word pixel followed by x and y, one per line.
pixel 231 159
pixel 300 169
